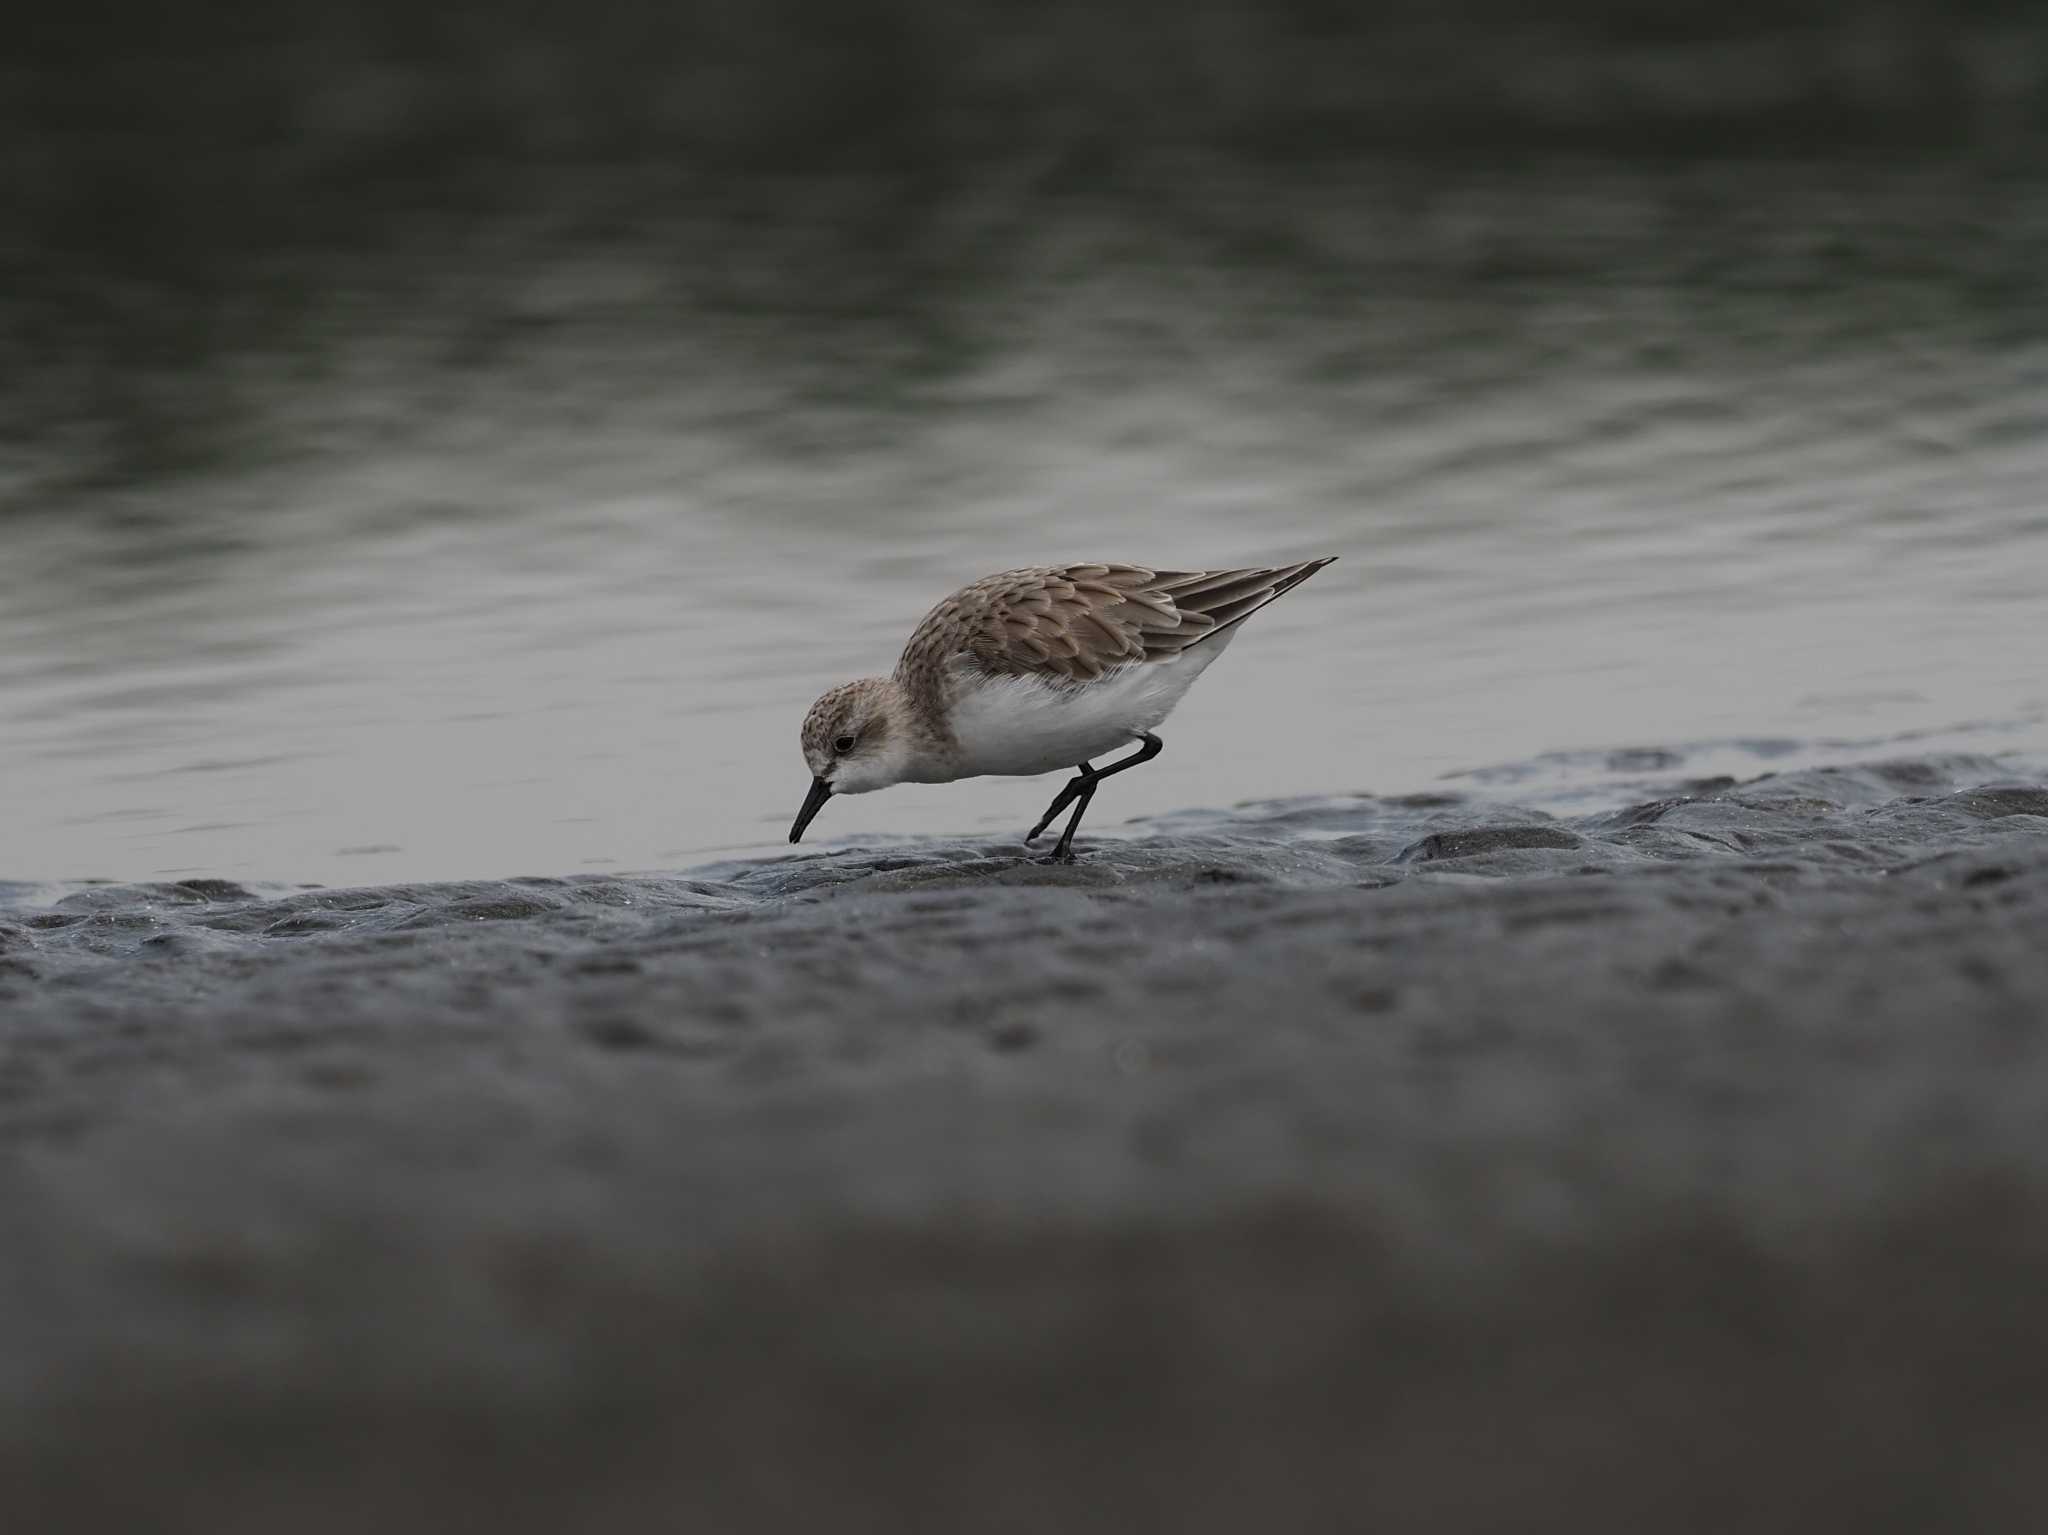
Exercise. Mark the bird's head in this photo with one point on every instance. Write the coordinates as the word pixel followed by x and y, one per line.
pixel 854 741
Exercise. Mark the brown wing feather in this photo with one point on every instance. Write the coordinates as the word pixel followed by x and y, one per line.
pixel 1075 622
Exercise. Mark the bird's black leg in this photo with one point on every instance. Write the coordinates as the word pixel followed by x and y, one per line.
pixel 1083 790
pixel 1063 852
pixel 1069 791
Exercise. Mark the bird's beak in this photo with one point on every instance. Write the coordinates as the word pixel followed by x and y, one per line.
pixel 813 803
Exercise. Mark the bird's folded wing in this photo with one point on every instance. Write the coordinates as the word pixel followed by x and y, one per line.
pixel 1075 622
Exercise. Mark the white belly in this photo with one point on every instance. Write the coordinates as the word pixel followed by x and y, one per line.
pixel 1018 726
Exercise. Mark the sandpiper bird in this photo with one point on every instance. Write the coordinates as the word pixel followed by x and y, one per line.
pixel 1033 670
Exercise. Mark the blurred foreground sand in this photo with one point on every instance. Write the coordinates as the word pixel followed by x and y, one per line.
pixel 1424 1164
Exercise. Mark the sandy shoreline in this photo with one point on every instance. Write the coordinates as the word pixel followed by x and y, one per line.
pixel 1431 1163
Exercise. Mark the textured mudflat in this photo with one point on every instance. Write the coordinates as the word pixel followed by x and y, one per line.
pixel 1675 1162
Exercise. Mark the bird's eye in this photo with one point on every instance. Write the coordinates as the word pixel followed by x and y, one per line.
pixel 843 745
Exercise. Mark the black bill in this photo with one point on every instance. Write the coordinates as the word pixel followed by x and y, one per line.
pixel 813 803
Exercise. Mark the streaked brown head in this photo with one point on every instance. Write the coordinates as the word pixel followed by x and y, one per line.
pixel 852 743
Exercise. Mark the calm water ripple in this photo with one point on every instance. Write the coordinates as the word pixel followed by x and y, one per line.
pixel 1614 458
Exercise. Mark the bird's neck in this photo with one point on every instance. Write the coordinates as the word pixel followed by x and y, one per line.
pixel 917 705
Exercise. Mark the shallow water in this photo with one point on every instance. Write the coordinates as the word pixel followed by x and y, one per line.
pixel 1815 811
pixel 534 568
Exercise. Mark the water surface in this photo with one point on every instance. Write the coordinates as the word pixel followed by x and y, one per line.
pixel 531 564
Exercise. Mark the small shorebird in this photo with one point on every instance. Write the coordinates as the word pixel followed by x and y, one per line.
pixel 1030 671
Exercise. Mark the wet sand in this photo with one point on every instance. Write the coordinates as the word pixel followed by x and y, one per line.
pixel 1676 1162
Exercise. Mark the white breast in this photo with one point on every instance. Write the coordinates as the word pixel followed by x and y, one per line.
pixel 1018 726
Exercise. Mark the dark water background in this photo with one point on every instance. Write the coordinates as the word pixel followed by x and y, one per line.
pixel 461 443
